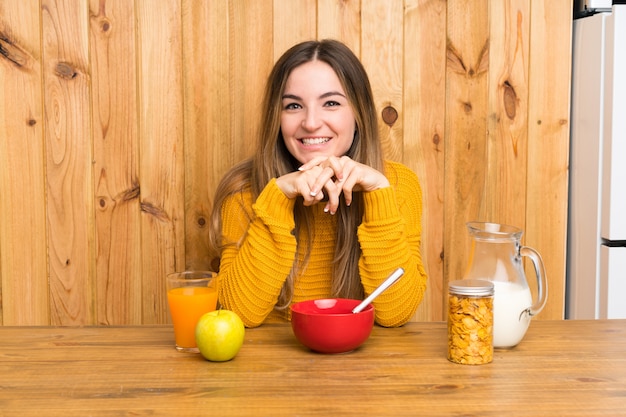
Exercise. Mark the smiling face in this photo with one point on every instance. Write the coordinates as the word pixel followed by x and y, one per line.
pixel 316 117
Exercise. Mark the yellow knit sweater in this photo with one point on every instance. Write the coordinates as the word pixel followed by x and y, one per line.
pixel 260 250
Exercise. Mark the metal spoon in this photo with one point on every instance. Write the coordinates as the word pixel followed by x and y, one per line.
pixel 382 287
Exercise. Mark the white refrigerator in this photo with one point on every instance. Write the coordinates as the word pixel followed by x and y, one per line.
pixel 596 253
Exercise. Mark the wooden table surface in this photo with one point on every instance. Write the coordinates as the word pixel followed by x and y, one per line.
pixel 561 368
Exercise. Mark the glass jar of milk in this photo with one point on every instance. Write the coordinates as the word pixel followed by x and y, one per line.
pixel 496 255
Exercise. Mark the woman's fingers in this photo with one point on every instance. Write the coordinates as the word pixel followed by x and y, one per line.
pixel 321 180
pixel 318 160
pixel 333 191
pixel 330 177
pixel 300 183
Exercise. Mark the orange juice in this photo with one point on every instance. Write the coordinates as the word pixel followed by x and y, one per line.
pixel 187 305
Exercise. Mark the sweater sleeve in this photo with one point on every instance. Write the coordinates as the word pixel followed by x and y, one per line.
pixel 259 251
pixel 390 237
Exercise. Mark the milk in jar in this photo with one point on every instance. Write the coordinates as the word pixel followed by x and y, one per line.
pixel 496 255
pixel 511 302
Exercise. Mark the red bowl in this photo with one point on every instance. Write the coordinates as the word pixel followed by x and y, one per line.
pixel 329 325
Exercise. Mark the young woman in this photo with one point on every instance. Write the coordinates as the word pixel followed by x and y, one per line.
pixel 317 212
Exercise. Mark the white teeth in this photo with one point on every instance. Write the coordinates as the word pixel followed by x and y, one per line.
pixel 314 141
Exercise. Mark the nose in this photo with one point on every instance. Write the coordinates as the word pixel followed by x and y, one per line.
pixel 311 120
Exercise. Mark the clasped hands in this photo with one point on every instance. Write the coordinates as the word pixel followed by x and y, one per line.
pixel 330 177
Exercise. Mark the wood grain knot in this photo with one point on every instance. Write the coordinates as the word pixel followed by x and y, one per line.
pixel 509 98
pixel 13 53
pixel 390 115
pixel 131 193
pixel 201 221
pixel 65 71
pixel 456 62
pixel 156 212
pixel 31 122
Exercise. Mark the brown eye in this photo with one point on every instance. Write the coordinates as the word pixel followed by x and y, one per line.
pixel 292 106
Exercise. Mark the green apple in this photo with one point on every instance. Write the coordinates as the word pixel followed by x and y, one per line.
pixel 219 335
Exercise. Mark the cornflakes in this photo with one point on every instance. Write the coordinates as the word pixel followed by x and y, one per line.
pixel 470 330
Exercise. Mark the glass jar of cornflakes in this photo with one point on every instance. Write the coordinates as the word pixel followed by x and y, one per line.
pixel 470 321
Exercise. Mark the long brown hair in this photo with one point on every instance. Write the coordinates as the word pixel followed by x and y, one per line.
pixel 272 160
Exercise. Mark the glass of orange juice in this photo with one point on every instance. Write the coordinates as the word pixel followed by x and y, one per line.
pixel 190 294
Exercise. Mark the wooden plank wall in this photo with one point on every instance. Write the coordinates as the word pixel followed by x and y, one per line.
pixel 118 117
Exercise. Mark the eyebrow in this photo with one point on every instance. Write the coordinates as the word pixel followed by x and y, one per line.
pixel 325 95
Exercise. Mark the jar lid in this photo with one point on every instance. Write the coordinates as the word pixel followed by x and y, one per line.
pixel 472 287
